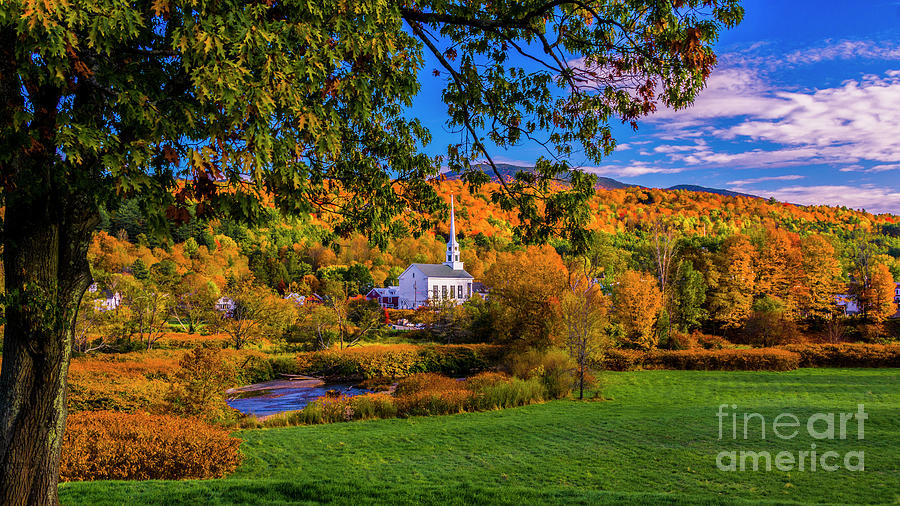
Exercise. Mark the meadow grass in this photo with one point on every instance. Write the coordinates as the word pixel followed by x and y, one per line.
pixel 654 440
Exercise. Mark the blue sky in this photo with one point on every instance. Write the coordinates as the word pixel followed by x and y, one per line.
pixel 804 106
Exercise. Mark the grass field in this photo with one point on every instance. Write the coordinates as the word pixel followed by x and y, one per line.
pixel 654 440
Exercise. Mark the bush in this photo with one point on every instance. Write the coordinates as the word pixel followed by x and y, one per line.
pixel 201 381
pixel 762 359
pixel 711 342
pixel 426 382
pixel 847 355
pixel 106 445
pixel 496 391
pixel 399 360
pixel 555 368
pixel 421 394
pixel 679 341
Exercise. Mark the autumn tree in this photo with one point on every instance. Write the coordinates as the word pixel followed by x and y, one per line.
pixel 585 316
pixel 638 300
pixel 778 267
pixel 525 288
pixel 89 334
pixel 150 309
pixel 733 282
pixel 209 107
pixel 257 313
pixel 877 299
pixel 820 278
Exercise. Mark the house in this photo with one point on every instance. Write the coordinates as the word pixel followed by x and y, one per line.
pixel 428 284
pixel 225 305
pixel 388 297
pixel 847 303
pixel 481 289
pixel 296 298
pixel 897 299
pixel 108 301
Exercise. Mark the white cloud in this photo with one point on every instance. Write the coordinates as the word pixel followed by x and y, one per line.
pixel 845 50
pixel 877 199
pixel 634 170
pixel 857 121
pixel 876 168
pixel 746 182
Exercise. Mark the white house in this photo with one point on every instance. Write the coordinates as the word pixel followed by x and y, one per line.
pixel 109 301
pixel 225 305
pixel 422 284
pixel 296 298
pixel 847 303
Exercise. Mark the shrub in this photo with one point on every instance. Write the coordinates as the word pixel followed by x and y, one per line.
pixel 496 393
pixel 847 355
pixel 762 359
pixel 422 394
pixel 285 365
pixel 428 403
pixel 555 368
pixel 426 382
pixel 769 325
pixel 399 360
pixel 710 342
pixel 679 341
pixel 120 446
pixel 128 383
pixel 623 359
pixel 201 381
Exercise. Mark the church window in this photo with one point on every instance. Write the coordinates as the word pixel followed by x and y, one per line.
pixel 459 291
pixel 444 291
pixel 435 291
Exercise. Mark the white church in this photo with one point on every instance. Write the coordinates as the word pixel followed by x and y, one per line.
pixel 424 284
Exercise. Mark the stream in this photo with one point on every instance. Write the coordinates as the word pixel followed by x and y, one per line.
pixel 263 399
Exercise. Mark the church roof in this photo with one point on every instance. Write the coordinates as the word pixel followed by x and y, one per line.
pixel 442 271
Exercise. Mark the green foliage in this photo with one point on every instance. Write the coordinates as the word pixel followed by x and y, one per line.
pixel 690 296
pixel 139 270
pixel 554 368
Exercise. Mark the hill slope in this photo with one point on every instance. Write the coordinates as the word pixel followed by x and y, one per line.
pixel 507 171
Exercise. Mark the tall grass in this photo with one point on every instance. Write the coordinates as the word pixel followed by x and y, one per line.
pixel 422 394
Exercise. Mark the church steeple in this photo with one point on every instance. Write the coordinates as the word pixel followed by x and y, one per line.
pixel 452 246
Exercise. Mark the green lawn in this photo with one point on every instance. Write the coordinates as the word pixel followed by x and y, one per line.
pixel 654 440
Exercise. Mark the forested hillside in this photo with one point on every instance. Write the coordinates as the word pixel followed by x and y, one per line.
pixel 716 258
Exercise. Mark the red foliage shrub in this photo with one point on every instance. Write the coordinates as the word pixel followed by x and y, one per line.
pixel 710 342
pixel 847 355
pixel 104 445
pixel 762 359
pixel 426 382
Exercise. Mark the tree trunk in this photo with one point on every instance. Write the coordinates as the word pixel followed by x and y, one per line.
pixel 45 241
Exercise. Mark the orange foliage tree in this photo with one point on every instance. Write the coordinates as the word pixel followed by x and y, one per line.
pixel 526 287
pixel 637 302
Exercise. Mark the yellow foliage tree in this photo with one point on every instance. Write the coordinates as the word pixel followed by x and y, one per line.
pixel 637 301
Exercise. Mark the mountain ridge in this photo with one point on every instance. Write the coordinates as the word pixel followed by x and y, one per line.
pixel 607 183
